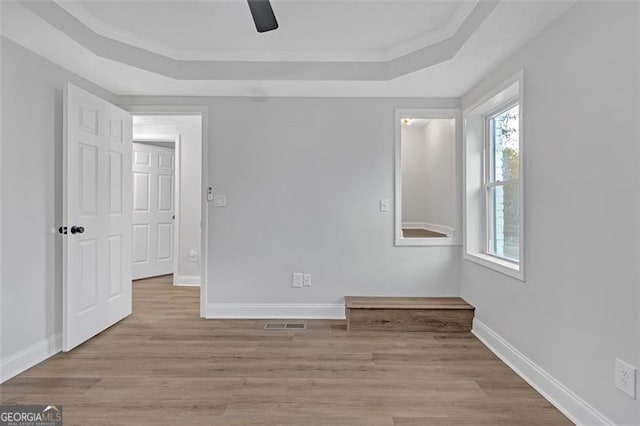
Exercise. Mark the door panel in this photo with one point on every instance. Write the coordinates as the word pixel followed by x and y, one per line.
pixel 154 195
pixel 142 158
pixel 116 131
pixel 88 180
pixel 165 193
pixel 141 192
pixel 115 265
pixel 165 160
pixel 140 243
pixel 88 275
pixel 97 213
pixel 88 119
pixel 165 233
pixel 115 183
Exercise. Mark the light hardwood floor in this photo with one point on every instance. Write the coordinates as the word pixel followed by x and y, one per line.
pixel 164 365
pixel 421 233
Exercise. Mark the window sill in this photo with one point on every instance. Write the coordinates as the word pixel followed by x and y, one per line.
pixel 502 266
pixel 427 242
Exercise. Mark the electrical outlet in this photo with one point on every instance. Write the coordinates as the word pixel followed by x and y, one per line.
pixel 384 205
pixel 296 280
pixel 626 378
pixel 306 280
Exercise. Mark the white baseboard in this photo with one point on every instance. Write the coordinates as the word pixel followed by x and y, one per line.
pixel 414 225
pixel 186 281
pixel 564 399
pixel 29 357
pixel 274 311
pixel 443 229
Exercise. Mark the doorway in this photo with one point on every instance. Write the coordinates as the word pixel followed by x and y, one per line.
pixel 154 200
pixel 97 201
pixel 167 197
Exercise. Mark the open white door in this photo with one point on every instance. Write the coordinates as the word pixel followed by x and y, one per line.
pixel 153 210
pixel 97 213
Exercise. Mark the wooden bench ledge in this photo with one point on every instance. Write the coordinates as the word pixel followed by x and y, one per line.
pixel 360 302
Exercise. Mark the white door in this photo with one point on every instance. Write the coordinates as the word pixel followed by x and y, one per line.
pixel 153 210
pixel 97 213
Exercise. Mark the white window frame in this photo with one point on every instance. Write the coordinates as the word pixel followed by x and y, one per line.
pixel 476 180
pixel 489 182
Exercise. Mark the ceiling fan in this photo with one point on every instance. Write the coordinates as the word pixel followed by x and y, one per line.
pixel 263 15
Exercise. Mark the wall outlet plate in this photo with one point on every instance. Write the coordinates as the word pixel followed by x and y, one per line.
pixel 306 280
pixel 296 280
pixel 384 205
pixel 219 200
pixel 625 378
pixel 193 255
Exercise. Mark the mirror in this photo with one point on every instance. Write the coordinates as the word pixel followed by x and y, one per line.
pixel 426 178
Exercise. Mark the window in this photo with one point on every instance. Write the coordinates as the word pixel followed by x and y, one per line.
pixel 502 183
pixel 493 181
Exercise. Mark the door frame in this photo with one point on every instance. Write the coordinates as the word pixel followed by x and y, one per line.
pixel 177 168
pixel 203 112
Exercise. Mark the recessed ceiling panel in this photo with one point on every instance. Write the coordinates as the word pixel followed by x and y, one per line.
pixel 309 29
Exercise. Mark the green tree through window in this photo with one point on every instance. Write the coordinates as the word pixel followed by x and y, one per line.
pixel 503 184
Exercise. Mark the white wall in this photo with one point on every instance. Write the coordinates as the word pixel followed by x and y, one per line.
pixel 31 171
pixel 439 138
pixel 189 127
pixel 303 185
pixel 578 309
pixel 415 174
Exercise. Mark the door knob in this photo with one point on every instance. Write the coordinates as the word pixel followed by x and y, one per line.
pixel 77 229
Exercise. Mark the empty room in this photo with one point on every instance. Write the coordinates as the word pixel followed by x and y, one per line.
pixel 320 212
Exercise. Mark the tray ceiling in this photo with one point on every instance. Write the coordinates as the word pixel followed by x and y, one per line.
pixel 310 30
pixel 150 63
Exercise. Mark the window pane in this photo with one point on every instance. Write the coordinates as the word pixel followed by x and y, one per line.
pixel 505 145
pixel 504 220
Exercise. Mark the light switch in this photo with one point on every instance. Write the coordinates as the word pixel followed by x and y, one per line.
pixel 219 200
pixel 384 205
pixel 296 280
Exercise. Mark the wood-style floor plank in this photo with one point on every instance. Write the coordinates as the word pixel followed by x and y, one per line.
pixel 165 365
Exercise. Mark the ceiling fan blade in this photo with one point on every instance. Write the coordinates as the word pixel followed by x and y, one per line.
pixel 263 15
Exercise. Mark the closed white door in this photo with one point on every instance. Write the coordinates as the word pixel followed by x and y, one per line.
pixel 97 213
pixel 153 210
